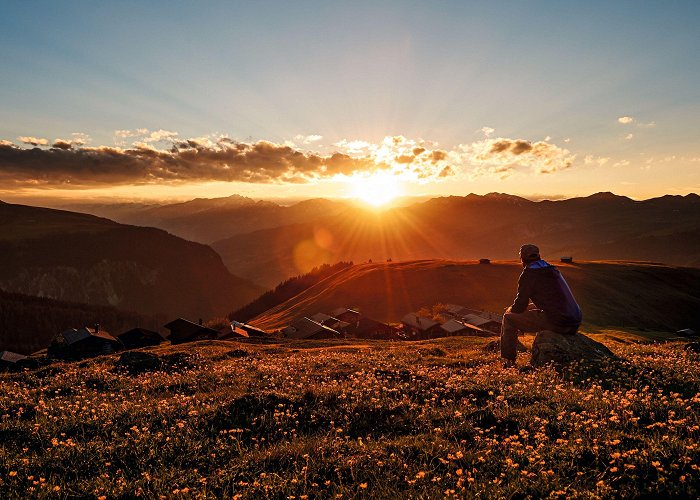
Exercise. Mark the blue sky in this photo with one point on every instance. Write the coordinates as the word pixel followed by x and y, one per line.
pixel 438 71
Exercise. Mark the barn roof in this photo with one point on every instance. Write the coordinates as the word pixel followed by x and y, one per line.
pixel 342 310
pixel 456 309
pixel 141 331
pixel 477 320
pixel 72 335
pixel 419 322
pixel 369 324
pixel 186 325
pixel 11 357
pixel 321 317
pixel 452 325
pixel 306 327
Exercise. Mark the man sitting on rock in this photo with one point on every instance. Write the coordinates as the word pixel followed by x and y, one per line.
pixel 554 309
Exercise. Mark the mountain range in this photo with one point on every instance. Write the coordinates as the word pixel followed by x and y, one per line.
pixel 210 219
pixel 267 243
pixel 598 227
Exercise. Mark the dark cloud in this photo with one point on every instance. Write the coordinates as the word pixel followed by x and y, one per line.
pixel 438 155
pixel 447 171
pixel 62 144
pixel 513 146
pixel 190 160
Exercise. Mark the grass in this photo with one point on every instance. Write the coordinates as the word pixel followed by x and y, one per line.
pixel 351 419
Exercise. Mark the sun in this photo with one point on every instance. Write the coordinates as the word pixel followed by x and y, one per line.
pixel 377 189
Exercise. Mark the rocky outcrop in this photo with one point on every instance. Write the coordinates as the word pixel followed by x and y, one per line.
pixel 551 347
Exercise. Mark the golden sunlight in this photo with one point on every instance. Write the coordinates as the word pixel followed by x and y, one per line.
pixel 377 189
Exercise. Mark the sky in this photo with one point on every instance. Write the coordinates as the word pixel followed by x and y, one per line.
pixel 176 100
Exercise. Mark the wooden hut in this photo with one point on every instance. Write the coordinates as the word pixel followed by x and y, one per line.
pixel 10 361
pixel 182 330
pixel 420 327
pixel 367 328
pixel 140 337
pixel 87 342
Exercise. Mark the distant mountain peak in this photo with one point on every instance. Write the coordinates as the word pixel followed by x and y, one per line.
pixel 606 195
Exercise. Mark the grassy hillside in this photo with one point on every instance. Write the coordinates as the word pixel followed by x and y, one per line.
pixel 625 294
pixel 354 420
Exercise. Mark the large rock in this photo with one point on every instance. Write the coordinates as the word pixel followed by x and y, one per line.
pixel 554 347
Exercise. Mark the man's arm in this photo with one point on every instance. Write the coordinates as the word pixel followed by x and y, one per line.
pixel 523 297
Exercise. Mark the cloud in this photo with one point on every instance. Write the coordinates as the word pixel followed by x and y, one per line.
pixel 308 139
pixel 62 144
pixel 160 135
pixel 143 135
pixel 130 133
pixel 187 160
pixel 625 120
pixel 159 156
pixel 502 157
pixel 353 147
pixel 34 141
pixel 596 160
pixel 487 131
pixel 80 138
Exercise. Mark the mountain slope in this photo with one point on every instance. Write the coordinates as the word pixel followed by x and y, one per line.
pixel 82 258
pixel 28 324
pixel 626 294
pixel 601 226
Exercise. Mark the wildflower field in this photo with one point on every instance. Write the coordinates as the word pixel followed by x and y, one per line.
pixel 354 419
